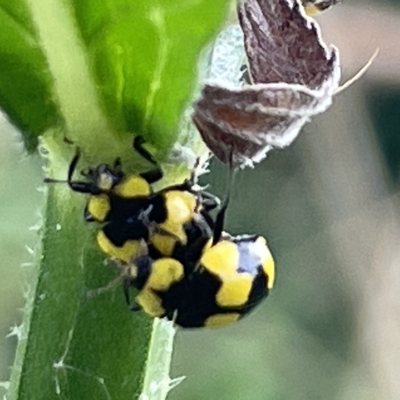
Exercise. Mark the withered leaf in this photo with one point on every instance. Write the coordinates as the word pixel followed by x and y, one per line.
pixel 294 75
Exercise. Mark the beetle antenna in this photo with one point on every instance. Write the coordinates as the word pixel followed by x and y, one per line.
pixel 220 219
pixel 138 143
pixel 51 180
pixel 71 170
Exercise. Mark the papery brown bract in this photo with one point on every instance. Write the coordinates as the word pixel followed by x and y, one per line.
pixel 294 75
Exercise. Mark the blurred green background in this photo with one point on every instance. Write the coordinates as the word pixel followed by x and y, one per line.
pixel 329 206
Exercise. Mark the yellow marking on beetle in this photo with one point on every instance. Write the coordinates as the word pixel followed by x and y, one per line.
pixel 163 243
pixel 98 206
pixel 221 259
pixel 174 230
pixel 181 207
pixel 221 319
pixel 132 186
pixel 164 273
pixel 125 253
pixel 267 261
pixel 235 290
pixel 150 303
pixel 268 267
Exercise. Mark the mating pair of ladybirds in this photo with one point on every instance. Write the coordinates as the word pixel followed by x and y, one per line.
pixel 172 251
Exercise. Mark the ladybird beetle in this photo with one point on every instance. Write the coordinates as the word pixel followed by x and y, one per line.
pixel 231 278
pixel 175 220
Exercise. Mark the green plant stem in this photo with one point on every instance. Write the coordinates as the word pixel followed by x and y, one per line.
pixel 80 341
pixel 157 382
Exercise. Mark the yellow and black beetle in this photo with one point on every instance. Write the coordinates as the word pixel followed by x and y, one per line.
pixel 228 281
pixel 175 220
